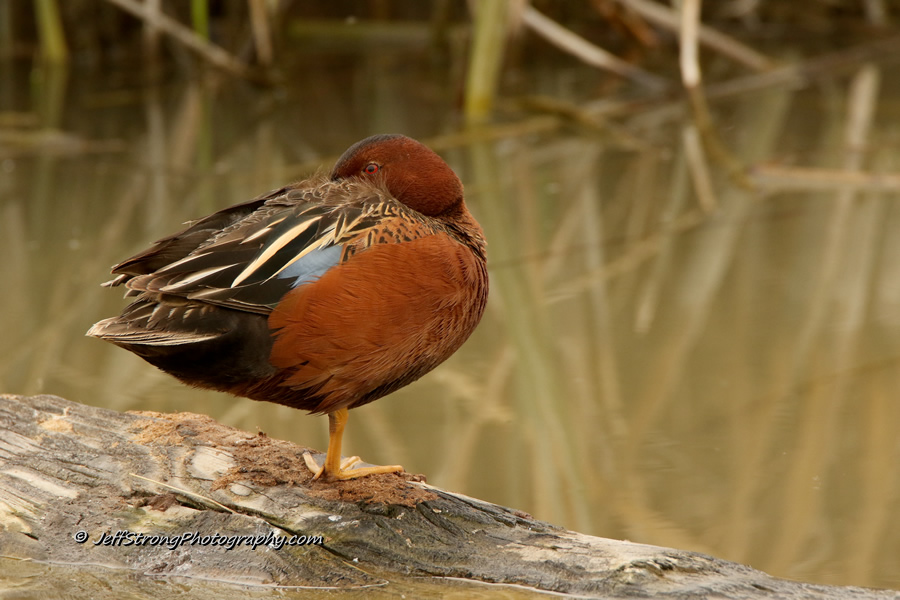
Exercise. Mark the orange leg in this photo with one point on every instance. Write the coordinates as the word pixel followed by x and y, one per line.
pixel 334 468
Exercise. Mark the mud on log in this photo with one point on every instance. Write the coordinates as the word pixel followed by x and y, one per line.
pixel 67 468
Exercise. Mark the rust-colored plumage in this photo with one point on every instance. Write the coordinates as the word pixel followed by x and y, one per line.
pixel 323 295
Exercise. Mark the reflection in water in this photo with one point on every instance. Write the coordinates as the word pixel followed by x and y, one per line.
pixel 668 356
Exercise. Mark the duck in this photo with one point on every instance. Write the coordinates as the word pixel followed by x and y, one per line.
pixel 323 295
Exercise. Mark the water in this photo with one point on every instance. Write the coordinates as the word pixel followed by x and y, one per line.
pixel 669 355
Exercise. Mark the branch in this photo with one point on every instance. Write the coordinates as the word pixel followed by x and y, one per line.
pixel 212 53
pixel 730 47
pixel 579 47
pixel 72 475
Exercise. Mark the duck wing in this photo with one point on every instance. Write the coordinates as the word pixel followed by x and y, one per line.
pixel 247 257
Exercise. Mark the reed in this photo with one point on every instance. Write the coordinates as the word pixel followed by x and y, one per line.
pixel 590 53
pixel 50 31
pixel 200 18
pixel 193 41
pixel 485 58
pixel 151 30
pixel 7 30
pixel 669 18
pixel 262 35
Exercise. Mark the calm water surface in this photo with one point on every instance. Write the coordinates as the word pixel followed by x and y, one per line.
pixel 669 355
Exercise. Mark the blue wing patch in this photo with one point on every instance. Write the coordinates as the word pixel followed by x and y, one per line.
pixel 312 266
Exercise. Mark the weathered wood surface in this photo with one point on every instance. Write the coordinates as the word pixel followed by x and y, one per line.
pixel 67 468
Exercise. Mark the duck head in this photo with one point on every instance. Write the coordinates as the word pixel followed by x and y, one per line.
pixel 411 171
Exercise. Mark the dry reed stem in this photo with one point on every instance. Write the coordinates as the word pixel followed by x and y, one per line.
pixel 823 405
pixel 749 418
pixel 756 423
pixel 585 51
pixel 778 178
pixel 689 305
pixel 637 253
pixel 651 287
pixel 688 31
pixel 212 53
pixel 699 169
pixel 484 404
pixel 609 388
pixel 668 18
pixel 157 156
pixel 583 119
pixel 550 447
pixel 876 12
pixel 577 161
pixel 718 152
pixel 886 50
pixel 262 36
pixel 151 32
pixel 486 57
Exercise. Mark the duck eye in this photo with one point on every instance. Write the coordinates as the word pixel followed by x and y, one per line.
pixel 371 168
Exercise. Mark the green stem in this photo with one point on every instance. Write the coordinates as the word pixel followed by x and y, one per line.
pixel 50 31
pixel 200 17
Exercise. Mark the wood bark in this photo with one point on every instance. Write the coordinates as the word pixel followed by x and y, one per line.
pixel 70 470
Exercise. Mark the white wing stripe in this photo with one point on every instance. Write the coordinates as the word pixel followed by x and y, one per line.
pixel 270 251
pixel 193 278
pixel 263 231
pixel 184 260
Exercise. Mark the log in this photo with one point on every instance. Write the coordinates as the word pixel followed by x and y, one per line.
pixel 179 495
